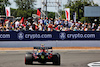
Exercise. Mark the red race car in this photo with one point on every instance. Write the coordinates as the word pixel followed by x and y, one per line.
pixel 42 55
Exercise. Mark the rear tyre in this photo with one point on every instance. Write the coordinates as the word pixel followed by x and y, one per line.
pixel 28 58
pixel 56 59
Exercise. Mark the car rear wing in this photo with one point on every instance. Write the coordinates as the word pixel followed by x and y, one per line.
pixel 42 47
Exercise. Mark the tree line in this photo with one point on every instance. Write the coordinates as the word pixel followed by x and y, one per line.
pixel 25 8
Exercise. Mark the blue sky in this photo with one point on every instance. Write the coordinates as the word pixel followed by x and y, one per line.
pixel 13 4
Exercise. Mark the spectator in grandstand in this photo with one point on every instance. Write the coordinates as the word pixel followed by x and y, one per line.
pixel 40 20
pixel 45 24
pixel 1 26
pixel 1 29
pixel 17 24
pixel 16 29
pixel 46 21
pixel 40 26
pixel 70 24
pixel 56 22
pixel 7 29
pixel 7 23
pixel 50 26
pixel 98 29
pixel 49 21
pixel 30 28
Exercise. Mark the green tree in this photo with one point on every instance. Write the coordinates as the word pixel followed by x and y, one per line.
pixel 51 15
pixel 25 4
pixel 22 13
pixel 13 12
pixel 25 8
pixel 3 4
pixel 78 7
pixel 6 2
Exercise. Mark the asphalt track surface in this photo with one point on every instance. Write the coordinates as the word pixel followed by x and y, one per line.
pixel 69 58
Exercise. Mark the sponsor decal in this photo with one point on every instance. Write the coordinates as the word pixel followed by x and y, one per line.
pixel 42 56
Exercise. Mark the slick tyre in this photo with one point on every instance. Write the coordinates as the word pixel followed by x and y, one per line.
pixel 56 59
pixel 28 58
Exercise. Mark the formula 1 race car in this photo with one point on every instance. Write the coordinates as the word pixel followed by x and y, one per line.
pixel 42 55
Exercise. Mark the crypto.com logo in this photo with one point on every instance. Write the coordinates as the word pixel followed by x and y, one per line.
pixel 62 35
pixel 20 35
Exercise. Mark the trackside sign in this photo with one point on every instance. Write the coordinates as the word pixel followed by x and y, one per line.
pixel 42 36
pixel 4 36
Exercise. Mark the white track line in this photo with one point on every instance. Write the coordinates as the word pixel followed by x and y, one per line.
pixel 94 64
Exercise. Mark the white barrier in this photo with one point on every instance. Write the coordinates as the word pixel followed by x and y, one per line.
pixel 50 43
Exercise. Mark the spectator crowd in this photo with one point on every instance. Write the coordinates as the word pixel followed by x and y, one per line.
pixel 45 24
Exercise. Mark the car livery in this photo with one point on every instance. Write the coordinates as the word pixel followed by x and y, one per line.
pixel 42 55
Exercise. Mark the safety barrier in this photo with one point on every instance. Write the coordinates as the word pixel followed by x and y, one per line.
pixel 47 35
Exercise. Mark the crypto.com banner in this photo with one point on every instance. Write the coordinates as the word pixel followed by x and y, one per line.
pixel 42 36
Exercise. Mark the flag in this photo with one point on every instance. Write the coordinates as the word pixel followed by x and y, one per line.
pixel 39 12
pixel 22 20
pixel 7 11
pixel 74 16
pixel 67 14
